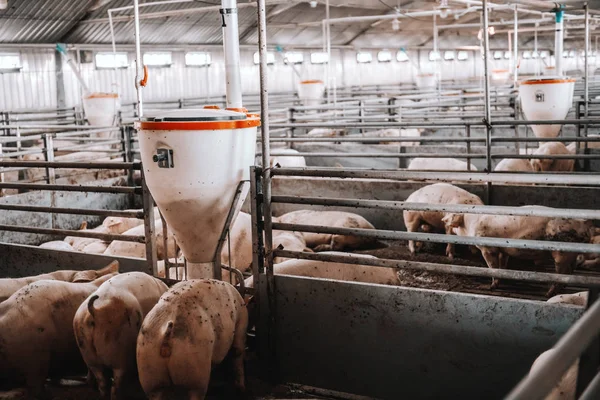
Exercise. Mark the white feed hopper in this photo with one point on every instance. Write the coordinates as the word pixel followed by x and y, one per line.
pixel 101 108
pixel 547 98
pixel 311 92
pixel 500 75
pixel 426 81
pixel 193 162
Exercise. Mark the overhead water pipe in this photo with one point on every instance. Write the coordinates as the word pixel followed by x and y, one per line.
pixel 138 59
pixel 231 50
pixel 558 41
pixel 516 47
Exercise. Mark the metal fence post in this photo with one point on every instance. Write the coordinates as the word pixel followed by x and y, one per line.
pixel 50 172
pixel 126 135
pixel 150 228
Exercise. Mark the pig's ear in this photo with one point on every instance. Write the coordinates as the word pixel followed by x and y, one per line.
pixel 113 222
pixel 453 220
pixel 112 268
pixel 83 225
pixel 307 250
pixel 84 276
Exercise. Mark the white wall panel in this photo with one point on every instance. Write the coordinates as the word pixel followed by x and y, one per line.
pixel 35 85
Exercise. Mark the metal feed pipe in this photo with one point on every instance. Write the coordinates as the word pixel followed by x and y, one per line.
pixel 558 42
pixel 231 50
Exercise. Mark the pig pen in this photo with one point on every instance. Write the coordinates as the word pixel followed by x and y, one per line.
pixel 439 335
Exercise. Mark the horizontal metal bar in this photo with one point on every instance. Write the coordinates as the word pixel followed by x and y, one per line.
pixel 384 155
pixel 453 208
pixel 549 156
pixel 541 245
pixel 537 384
pixel 75 165
pixel 472 177
pixel 74 211
pixel 66 232
pixel 371 139
pixel 482 272
pixel 71 188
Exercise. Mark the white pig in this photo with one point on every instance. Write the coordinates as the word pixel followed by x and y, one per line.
pixel 439 164
pixel 578 299
pixel 8 286
pixel 520 227
pixel 429 221
pixel 291 160
pixel 514 165
pixel 552 165
pixel 107 324
pixel 291 241
pixel 79 243
pixel 193 327
pixel 565 390
pixel 337 219
pixel 57 245
pixel 336 271
pixel 36 332
pixel 118 225
pixel 138 250
pixel 241 243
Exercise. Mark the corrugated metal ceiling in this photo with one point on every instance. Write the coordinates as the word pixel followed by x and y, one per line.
pixel 51 21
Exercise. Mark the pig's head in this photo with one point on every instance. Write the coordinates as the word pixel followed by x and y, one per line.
pixel 453 221
pixel 540 165
pixel 92 274
pixel 112 223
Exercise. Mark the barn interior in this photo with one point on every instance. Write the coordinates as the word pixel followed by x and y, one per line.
pixel 358 170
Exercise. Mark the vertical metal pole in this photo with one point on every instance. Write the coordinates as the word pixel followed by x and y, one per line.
pixel 266 184
pixel 1 171
pixel 515 43
pixel 128 157
pixel 488 113
pixel 590 358
pixel 328 42
pixel 290 132
pixel 535 50
pixel 586 94
pixel 468 135
pixel 486 66
pixel 149 227
pixel 138 59
pixel 50 173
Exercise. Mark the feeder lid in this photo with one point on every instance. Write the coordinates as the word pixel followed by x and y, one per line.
pixel 210 118
pixel 547 80
pixel 196 115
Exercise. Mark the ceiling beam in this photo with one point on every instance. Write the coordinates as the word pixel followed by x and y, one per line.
pixel 281 8
pixel 373 25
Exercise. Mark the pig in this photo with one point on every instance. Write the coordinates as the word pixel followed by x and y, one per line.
pixel 96 247
pixel 552 165
pixel 514 165
pixel 337 219
pixel 57 245
pixel 291 160
pixel 241 244
pixel 326 133
pixel 138 250
pixel 590 260
pixel 107 324
pixel 429 221
pixel 439 164
pixel 194 326
pixel 292 241
pixel 578 299
pixel 565 390
pixel 336 271
pixel 79 243
pixel 8 286
pixel 522 227
pixel 118 225
pixel 36 332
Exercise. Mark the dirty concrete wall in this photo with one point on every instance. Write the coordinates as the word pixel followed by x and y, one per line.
pixel 392 342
